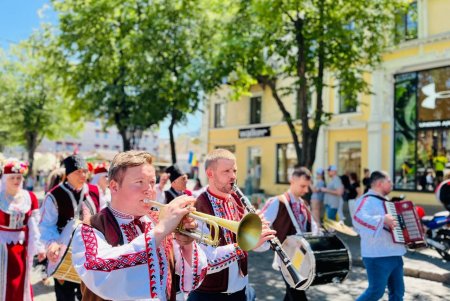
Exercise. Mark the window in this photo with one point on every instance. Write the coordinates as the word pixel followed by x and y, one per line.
pixel 97 133
pixel 58 146
pixel 254 168
pixel 406 23
pixel 105 134
pixel 105 146
pixel 219 115
pixel 346 104
pixel 349 157
pixel 421 129
pixel 255 110
pixel 286 161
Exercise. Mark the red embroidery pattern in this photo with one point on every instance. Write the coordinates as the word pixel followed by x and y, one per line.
pixel 227 259
pixel 151 264
pixel 129 230
pixel 107 265
pixel 196 277
pixel 357 219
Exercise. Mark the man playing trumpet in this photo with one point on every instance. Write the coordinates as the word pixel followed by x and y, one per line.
pixel 128 252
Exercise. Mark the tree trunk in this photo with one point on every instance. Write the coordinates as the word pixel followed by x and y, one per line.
pixel 286 115
pixel 173 152
pixel 310 135
pixel 31 141
pixel 125 141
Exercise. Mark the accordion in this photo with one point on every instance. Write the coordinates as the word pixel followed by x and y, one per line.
pixel 408 230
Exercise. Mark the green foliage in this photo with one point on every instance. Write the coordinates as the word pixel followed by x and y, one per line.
pixel 271 41
pixel 135 62
pixel 31 94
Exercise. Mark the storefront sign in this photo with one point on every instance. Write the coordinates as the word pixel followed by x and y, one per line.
pixel 434 124
pixel 254 132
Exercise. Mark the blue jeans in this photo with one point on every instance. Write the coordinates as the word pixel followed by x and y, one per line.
pixel 382 272
pixel 331 212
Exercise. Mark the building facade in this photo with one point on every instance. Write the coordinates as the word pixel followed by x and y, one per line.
pixel 402 128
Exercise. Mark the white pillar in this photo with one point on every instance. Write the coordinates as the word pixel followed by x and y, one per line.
pixel 374 126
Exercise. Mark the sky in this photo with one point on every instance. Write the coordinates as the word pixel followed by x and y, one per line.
pixel 18 19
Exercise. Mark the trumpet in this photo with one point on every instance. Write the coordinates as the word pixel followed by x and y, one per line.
pixel 248 229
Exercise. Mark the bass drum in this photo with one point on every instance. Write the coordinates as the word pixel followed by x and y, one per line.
pixel 317 259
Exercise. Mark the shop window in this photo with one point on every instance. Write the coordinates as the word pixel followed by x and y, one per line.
pixel 349 157
pixel 406 23
pixel 421 129
pixel 253 180
pixel 219 115
pixel 286 161
pixel 255 110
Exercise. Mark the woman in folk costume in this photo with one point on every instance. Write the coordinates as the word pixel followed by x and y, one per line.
pixel 126 251
pixel 19 234
pixel 100 179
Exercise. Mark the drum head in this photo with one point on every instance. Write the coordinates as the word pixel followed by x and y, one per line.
pixel 64 241
pixel 302 258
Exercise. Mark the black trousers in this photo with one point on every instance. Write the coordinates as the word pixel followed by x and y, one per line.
pixel 293 294
pixel 201 296
pixel 67 291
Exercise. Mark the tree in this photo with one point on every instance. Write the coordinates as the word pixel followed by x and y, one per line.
pixel 274 42
pixel 183 36
pixel 31 95
pixel 107 65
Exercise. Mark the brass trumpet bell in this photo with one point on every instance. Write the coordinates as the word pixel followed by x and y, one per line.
pixel 248 229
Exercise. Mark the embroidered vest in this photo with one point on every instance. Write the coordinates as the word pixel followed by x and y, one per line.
pixel 216 282
pixel 64 204
pixel 283 228
pixel 106 223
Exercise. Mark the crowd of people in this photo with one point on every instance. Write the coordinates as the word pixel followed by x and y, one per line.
pixel 334 197
pixel 124 249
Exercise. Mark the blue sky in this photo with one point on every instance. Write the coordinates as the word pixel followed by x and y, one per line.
pixel 18 18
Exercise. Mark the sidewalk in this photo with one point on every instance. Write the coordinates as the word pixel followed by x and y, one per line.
pixel 425 264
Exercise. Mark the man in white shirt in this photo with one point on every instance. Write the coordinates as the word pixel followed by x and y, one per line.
pixel 227 277
pixel 288 214
pixel 126 251
pixel 381 256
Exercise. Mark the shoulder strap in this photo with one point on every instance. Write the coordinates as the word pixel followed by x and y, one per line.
pixel 283 199
pixel 378 197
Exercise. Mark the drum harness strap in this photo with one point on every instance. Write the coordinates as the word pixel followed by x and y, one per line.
pixel 283 199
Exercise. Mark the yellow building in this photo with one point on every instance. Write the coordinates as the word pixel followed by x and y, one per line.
pixel 403 128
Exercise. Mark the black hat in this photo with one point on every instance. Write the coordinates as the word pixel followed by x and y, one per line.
pixel 73 163
pixel 174 172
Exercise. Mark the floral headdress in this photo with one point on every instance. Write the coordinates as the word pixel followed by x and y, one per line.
pixel 15 167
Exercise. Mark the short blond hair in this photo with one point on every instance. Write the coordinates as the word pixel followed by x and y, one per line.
pixel 217 154
pixel 122 161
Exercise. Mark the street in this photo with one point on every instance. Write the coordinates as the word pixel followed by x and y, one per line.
pixel 270 286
